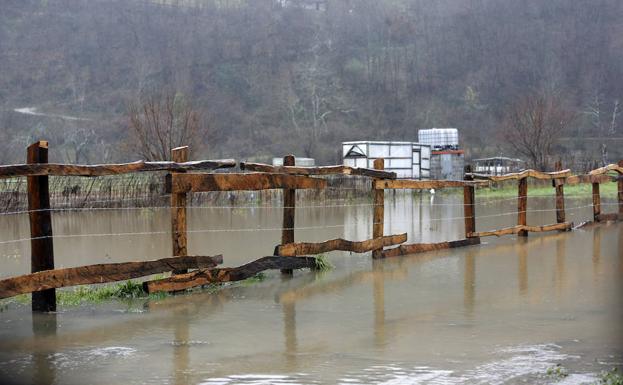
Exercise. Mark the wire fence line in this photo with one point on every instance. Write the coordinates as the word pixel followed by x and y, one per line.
pixel 488 202
pixel 316 227
pixel 147 191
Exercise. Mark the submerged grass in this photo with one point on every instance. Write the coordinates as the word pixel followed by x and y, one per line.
pixel 557 372
pixel 612 377
pixel 128 290
pixel 322 263
pixel 81 294
pixel 90 294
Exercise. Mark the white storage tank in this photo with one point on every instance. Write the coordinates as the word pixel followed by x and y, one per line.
pixel 440 138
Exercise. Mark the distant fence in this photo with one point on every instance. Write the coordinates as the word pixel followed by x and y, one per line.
pixel 186 177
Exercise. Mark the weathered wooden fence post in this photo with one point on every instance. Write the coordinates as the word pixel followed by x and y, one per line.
pixel 522 205
pixel 620 192
pixel 41 243
pixel 469 198
pixel 560 195
pixel 596 202
pixel 289 208
pixel 379 210
pixel 178 211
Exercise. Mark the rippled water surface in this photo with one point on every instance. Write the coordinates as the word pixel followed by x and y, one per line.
pixel 501 312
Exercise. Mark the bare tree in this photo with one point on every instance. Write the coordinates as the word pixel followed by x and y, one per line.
pixel 533 126
pixel 162 122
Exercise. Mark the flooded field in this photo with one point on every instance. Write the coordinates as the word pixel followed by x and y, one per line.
pixel 502 312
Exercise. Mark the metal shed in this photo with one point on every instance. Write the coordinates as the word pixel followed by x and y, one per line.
pixel 406 159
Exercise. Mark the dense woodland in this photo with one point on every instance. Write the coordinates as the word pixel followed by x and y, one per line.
pixel 268 77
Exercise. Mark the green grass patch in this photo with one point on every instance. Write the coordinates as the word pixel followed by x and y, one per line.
pixel 557 372
pixel 322 263
pixel 90 294
pixel 509 190
pixel 81 294
pixel 257 278
pixel 612 377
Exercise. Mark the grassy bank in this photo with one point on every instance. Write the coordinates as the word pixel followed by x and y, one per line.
pixel 509 190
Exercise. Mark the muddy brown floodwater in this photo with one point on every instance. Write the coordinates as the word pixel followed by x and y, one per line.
pixel 501 312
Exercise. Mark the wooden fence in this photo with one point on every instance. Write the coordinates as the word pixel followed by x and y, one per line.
pixel 186 177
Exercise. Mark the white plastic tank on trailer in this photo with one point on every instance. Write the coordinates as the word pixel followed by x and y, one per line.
pixel 440 138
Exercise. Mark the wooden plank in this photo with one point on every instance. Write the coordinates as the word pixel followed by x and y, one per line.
pixel 179 236
pixel 586 178
pixel 560 197
pixel 289 209
pixel 422 184
pixel 596 202
pixel 469 209
pixel 525 174
pixel 306 248
pixel 606 169
pixel 41 243
pixel 522 205
pixel 425 247
pixel 323 170
pixel 56 169
pixel 517 229
pixel 234 182
pixel 207 276
pixel 101 273
pixel 378 214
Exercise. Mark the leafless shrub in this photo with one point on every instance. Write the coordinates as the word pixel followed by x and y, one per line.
pixel 162 122
pixel 534 124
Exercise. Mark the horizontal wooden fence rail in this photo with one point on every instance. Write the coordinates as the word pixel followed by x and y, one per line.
pixel 101 273
pixel 519 228
pixel 425 247
pixel 306 248
pixel 228 274
pixel 323 170
pixel 55 169
pixel 588 179
pixel 524 174
pixel 604 170
pixel 191 182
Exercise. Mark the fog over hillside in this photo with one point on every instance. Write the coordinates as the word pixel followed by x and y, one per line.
pixel 268 77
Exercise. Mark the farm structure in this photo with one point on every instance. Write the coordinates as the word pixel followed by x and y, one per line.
pixel 406 159
pixel 186 177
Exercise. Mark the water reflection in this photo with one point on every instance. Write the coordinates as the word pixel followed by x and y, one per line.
pixel 522 271
pixel 447 310
pixel 44 326
pixel 379 303
pixel 596 252
pixel 289 333
pixel 561 274
pixel 469 282
pixel 181 344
